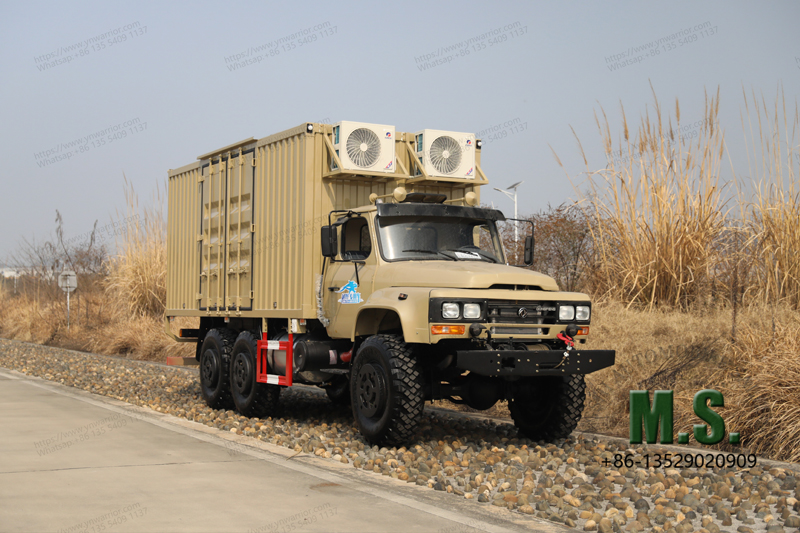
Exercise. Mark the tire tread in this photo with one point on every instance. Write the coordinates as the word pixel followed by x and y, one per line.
pixel 407 382
pixel 567 412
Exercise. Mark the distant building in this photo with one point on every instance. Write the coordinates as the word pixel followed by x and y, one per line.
pixel 9 272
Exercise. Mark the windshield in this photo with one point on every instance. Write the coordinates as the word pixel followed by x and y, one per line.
pixel 439 239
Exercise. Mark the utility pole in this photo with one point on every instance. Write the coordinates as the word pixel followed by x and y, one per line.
pixel 513 197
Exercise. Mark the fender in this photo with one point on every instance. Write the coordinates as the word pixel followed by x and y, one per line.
pixel 412 312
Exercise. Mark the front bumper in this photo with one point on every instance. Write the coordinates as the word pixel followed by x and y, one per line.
pixel 504 363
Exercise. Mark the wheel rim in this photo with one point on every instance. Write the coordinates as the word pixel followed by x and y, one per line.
pixel 371 388
pixel 210 368
pixel 241 373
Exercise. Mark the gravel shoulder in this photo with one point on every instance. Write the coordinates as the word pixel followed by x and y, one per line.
pixel 466 458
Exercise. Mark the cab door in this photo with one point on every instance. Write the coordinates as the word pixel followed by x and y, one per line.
pixel 346 291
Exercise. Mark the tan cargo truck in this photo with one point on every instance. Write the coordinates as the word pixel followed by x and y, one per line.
pixel 356 258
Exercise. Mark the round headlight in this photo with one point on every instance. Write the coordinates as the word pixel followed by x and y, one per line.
pixel 566 312
pixel 450 310
pixel 472 310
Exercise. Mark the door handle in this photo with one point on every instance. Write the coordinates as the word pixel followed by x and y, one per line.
pixel 333 289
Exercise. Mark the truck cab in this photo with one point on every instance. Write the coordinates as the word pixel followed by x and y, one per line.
pixel 434 278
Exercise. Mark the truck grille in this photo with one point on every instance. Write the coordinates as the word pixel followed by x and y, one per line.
pixel 505 330
pixel 515 312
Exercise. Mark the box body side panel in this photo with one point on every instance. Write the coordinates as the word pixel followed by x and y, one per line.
pixel 183 248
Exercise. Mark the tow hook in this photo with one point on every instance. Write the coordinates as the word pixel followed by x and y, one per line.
pixel 566 339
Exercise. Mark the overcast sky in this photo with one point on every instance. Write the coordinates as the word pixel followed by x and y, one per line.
pixel 164 75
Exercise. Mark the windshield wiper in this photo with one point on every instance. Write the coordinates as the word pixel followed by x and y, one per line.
pixel 476 250
pixel 432 252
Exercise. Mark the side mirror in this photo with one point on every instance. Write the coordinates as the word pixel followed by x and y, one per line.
pixel 528 257
pixel 330 243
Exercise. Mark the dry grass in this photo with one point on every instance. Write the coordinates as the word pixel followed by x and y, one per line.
pixel 119 314
pixel 135 289
pixel 95 326
pixel 717 279
pixel 758 373
pixel 662 349
pixel 763 386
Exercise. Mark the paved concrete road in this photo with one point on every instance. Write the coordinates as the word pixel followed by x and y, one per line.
pixel 75 461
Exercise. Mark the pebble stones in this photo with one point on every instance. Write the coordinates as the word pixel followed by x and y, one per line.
pixel 565 482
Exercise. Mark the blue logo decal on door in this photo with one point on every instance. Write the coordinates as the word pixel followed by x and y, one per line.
pixel 350 294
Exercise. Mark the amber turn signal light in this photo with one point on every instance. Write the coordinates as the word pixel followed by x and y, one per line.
pixel 448 330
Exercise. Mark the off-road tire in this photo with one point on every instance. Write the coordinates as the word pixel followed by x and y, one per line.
pixel 548 407
pixel 252 399
pixel 386 390
pixel 339 390
pixel 215 362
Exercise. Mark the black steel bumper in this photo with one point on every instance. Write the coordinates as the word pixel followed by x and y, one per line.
pixel 534 362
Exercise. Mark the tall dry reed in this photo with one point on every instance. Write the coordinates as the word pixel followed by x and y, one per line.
pixel 657 212
pixel 774 213
pixel 136 287
pixel 136 283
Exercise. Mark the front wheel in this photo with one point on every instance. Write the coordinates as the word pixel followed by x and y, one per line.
pixel 386 390
pixel 252 399
pixel 547 407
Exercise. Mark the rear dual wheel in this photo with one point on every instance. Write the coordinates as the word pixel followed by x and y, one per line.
pixel 228 374
pixel 252 399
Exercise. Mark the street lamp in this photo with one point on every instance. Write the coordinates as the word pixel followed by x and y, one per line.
pixel 513 197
